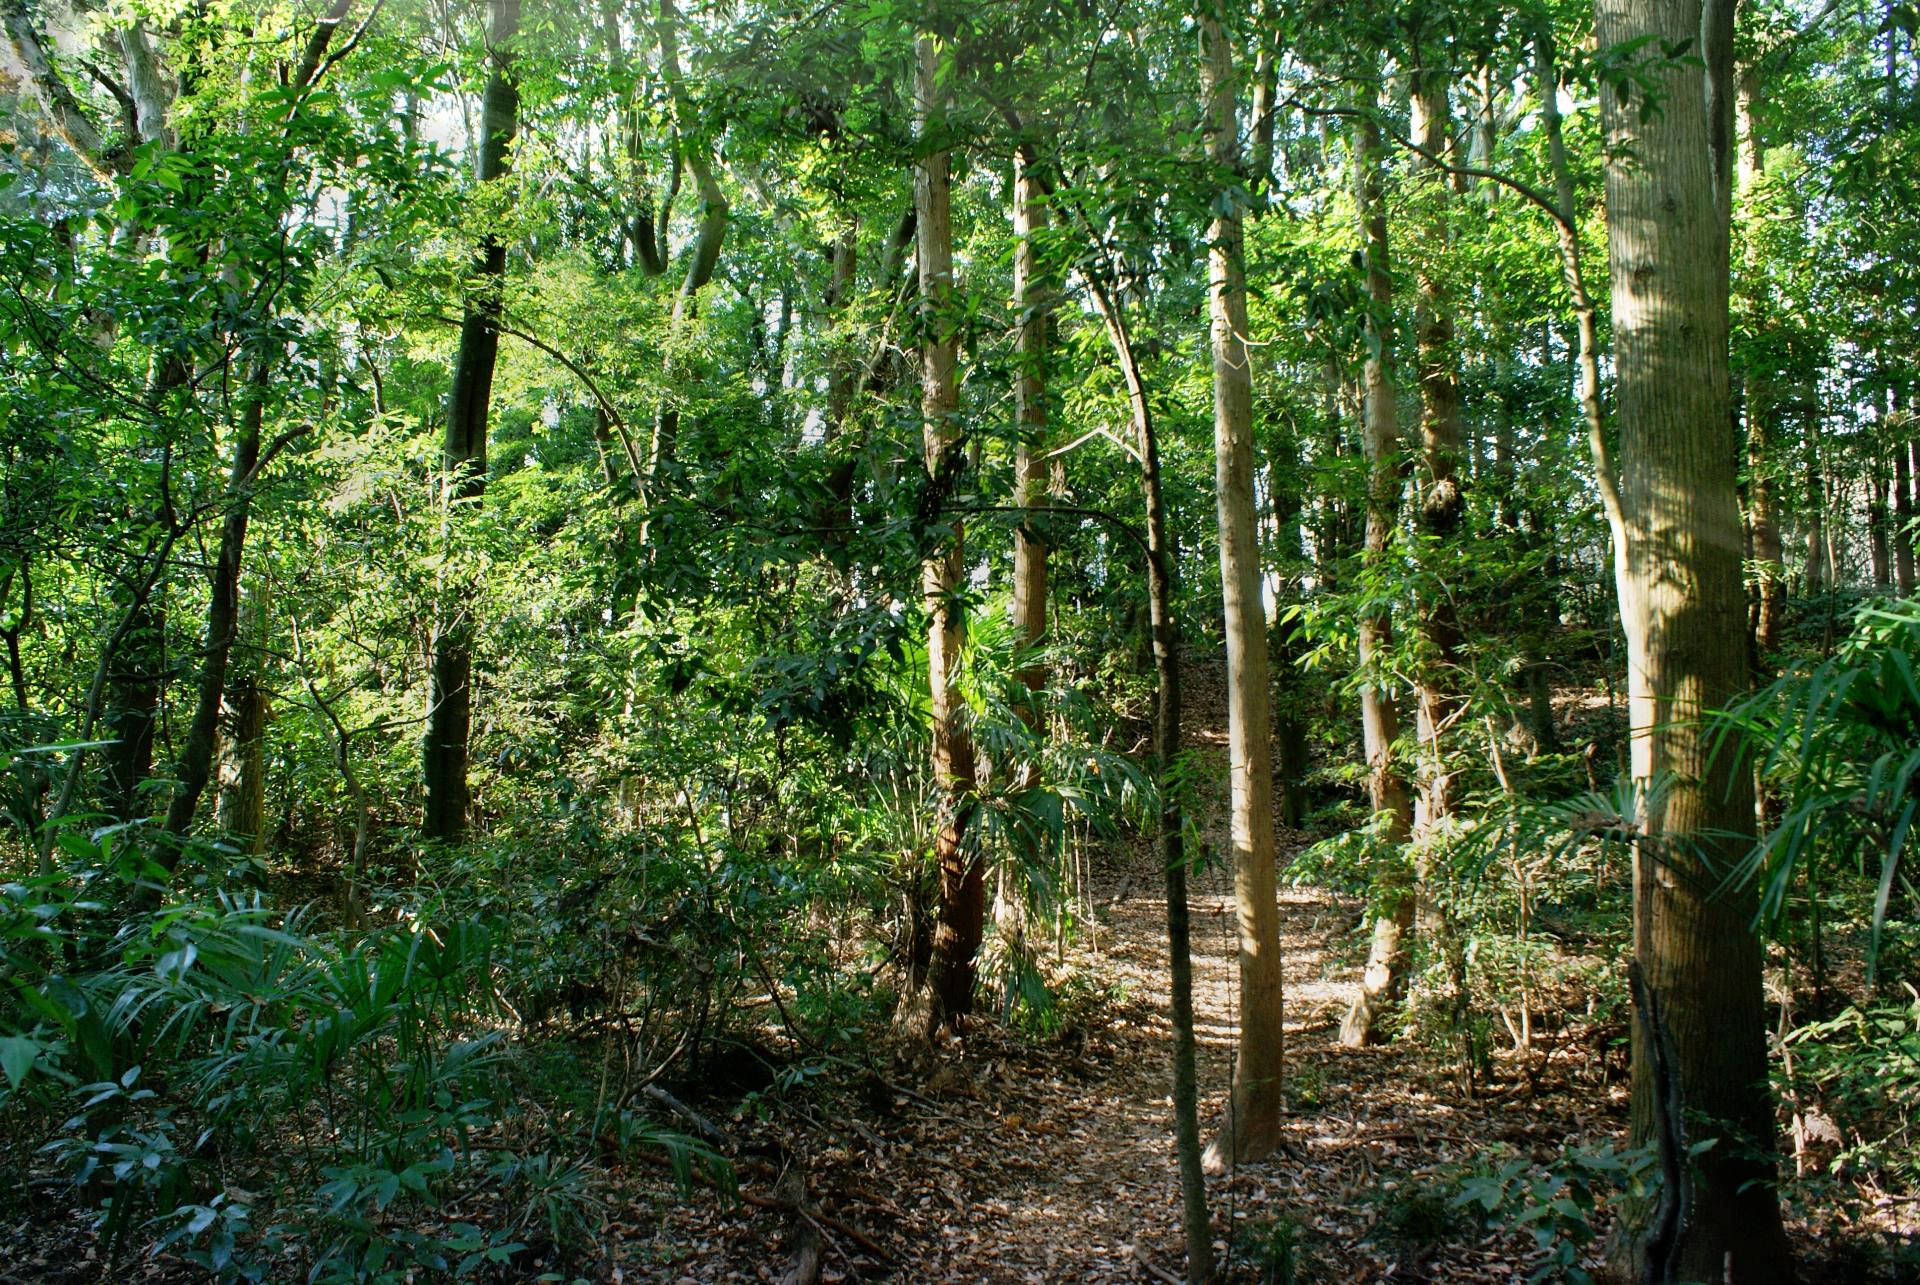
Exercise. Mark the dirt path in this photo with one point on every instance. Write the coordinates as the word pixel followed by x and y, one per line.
pixel 1026 1161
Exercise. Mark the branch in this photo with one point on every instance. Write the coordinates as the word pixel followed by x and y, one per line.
pixel 620 425
pixel 1463 171
pixel 63 110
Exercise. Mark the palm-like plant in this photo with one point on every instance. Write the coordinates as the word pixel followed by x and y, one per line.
pixel 1839 741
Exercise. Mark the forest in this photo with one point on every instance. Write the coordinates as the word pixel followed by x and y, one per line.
pixel 1004 641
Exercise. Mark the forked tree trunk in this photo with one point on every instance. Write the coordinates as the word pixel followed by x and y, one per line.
pixel 1385 980
pixel 464 452
pixel 1682 603
pixel 1250 1126
pixel 1031 301
pixel 961 872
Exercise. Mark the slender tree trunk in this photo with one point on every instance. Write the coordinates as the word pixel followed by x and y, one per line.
pixel 1903 478
pixel 961 872
pixel 1162 560
pixel 1760 401
pixel 1031 302
pixel 1682 602
pixel 1290 687
pixel 1881 549
pixel 1815 574
pixel 1442 501
pixel 1250 1128
pixel 193 768
pixel 1769 558
pixel 450 693
pixel 1386 976
pixel 241 805
pixel 705 258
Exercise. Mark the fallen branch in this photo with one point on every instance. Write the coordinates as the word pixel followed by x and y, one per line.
pixel 704 1126
pixel 1154 1269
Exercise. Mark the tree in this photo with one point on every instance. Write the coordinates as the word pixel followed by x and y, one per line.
pixel 960 873
pixel 1250 1127
pixel 450 698
pixel 1681 601
pixel 1387 959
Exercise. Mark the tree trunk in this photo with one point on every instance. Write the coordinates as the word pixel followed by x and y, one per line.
pixel 1031 311
pixel 1880 548
pixel 1682 602
pixel 1291 690
pixel 137 675
pixel 1161 565
pixel 1903 478
pixel 705 258
pixel 1768 555
pixel 1815 572
pixel 1386 976
pixel 1442 502
pixel 241 806
pixel 450 693
pixel 1250 1128
pixel 193 768
pixel 961 872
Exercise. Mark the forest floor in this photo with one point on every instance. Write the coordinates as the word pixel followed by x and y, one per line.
pixel 1054 1163
pixel 1025 1160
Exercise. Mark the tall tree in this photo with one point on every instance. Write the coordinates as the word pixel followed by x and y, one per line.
pixel 464 451
pixel 1030 308
pixel 1250 1129
pixel 961 873
pixel 1385 979
pixel 1681 600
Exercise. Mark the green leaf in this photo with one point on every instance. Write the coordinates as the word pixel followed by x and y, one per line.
pixel 17 1056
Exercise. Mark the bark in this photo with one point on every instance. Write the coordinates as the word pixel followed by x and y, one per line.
pixel 1031 309
pixel 1387 960
pixel 1250 1127
pixel 464 454
pixel 1682 601
pixel 961 872
pixel 193 767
